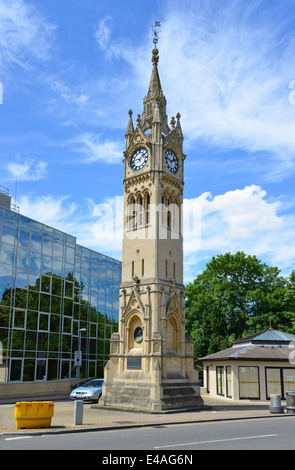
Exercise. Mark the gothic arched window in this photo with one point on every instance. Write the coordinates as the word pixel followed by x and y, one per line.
pixel 140 210
pixel 147 208
pixel 169 208
pixel 131 214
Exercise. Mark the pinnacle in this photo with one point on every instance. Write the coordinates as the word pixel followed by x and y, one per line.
pixel 155 84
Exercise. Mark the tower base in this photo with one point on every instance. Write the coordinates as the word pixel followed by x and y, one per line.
pixel 152 392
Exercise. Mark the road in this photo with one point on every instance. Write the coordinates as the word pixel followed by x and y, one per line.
pixel 272 433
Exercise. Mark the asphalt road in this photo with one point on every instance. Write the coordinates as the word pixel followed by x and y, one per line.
pixel 275 433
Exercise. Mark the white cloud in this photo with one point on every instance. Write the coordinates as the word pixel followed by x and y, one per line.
pixel 24 33
pixel 68 94
pixel 114 48
pixel 226 68
pixel 103 32
pixel 93 149
pixel 27 170
pixel 51 210
pixel 241 220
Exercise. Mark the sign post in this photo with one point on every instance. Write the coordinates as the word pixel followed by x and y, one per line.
pixel 77 364
pixel 78 355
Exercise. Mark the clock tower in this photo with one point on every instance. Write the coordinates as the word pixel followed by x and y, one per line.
pixel 151 366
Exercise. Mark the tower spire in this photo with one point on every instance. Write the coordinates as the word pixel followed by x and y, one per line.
pixel 155 84
pixel 155 97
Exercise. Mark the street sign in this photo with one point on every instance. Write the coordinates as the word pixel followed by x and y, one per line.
pixel 78 359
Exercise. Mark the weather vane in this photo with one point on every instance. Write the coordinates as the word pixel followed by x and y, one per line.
pixel 155 32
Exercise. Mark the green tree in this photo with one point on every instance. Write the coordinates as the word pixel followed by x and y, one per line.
pixel 236 296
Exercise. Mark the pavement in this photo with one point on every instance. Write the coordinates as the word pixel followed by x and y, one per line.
pixel 98 419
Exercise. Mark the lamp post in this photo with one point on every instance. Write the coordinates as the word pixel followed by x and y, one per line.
pixel 79 355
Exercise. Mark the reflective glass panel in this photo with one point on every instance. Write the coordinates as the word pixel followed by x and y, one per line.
pixel 5 274
pixel 32 321
pixel 57 235
pixel 70 240
pixel 16 370
pixel 56 285
pixel 43 322
pixel 23 258
pixel 70 255
pixel 6 253
pixel 46 264
pixel 21 278
pixel 9 216
pixel 58 250
pixel 45 302
pixel 47 232
pixel 29 370
pixel 36 227
pixel 45 283
pixel 47 247
pixel 35 262
pixel 8 233
pixel 36 242
pixel 24 239
pixel 19 319
pixel 24 222
pixel 57 267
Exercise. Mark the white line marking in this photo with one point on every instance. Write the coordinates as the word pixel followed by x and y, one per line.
pixel 217 440
pixel 15 438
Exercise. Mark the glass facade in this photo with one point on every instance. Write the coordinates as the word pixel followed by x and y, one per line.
pixel 50 288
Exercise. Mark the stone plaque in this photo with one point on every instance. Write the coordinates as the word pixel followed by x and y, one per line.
pixel 134 362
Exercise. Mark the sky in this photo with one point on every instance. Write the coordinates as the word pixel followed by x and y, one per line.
pixel 69 72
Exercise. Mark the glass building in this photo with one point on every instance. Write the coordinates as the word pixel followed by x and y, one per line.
pixel 50 289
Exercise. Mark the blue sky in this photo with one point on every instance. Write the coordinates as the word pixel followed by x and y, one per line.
pixel 70 70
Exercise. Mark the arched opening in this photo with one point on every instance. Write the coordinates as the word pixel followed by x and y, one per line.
pixel 131 214
pixel 135 333
pixel 140 210
pixel 172 335
pixel 147 208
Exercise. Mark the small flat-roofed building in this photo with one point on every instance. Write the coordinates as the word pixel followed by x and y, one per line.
pixel 254 367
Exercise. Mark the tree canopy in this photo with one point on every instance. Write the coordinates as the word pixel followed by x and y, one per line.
pixel 236 296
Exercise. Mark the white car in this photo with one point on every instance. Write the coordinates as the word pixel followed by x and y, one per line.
pixel 90 391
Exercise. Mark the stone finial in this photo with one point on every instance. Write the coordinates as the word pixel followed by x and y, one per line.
pixel 130 128
pixel 155 58
pixel 178 125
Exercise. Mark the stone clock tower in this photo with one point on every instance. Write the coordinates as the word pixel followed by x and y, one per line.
pixel 151 366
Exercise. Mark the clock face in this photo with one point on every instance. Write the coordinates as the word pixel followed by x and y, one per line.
pixel 139 159
pixel 171 161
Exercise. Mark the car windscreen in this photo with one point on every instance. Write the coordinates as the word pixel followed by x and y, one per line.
pixel 93 383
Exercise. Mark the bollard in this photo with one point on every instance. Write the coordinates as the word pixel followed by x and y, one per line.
pixel 275 404
pixel 78 412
